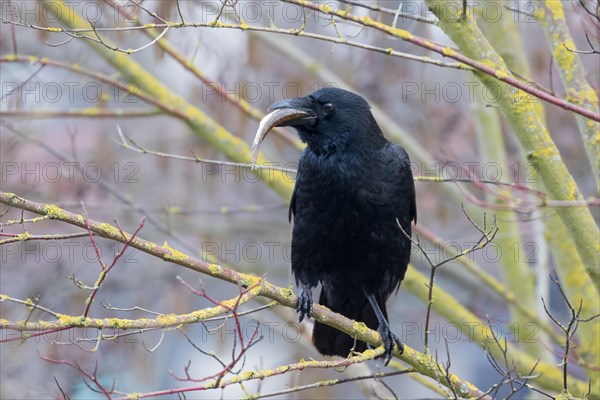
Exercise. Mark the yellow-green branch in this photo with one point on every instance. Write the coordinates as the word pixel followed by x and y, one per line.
pixel 498 74
pixel 552 18
pixel 162 321
pixel 531 131
pixel 422 363
pixel 200 123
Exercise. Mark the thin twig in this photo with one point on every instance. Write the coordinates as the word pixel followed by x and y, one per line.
pixel 485 239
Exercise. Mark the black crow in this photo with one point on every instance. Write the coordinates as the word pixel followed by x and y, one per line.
pixel 352 187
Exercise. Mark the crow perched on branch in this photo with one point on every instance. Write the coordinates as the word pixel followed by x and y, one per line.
pixel 353 187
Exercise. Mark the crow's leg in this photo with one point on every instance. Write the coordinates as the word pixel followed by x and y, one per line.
pixel 387 336
pixel 305 303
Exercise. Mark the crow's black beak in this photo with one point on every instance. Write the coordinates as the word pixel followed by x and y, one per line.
pixel 300 104
pixel 291 112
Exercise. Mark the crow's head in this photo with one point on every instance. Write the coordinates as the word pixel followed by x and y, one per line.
pixel 331 119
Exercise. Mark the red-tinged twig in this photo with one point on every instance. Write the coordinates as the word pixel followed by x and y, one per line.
pixel 87 376
pixel 483 203
pixel 518 205
pixel 485 188
pixel 106 269
pixel 218 376
pixel 232 309
pixel 426 44
pixel 245 346
pixel 521 205
pixel 300 366
pixel 510 204
pixel 95 245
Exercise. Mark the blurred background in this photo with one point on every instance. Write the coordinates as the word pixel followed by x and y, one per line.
pixel 60 144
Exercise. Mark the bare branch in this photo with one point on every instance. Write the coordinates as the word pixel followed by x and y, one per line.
pixel 484 240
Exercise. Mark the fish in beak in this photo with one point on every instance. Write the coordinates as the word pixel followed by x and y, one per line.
pixel 290 112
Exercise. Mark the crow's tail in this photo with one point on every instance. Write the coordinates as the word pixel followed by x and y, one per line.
pixel 329 341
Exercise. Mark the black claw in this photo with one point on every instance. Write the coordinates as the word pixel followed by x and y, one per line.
pixel 389 339
pixel 305 304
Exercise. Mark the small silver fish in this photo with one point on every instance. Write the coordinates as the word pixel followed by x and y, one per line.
pixel 269 122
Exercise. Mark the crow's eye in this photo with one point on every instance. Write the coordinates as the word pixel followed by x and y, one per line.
pixel 328 107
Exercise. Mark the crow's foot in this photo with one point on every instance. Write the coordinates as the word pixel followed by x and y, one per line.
pixel 389 339
pixel 305 304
